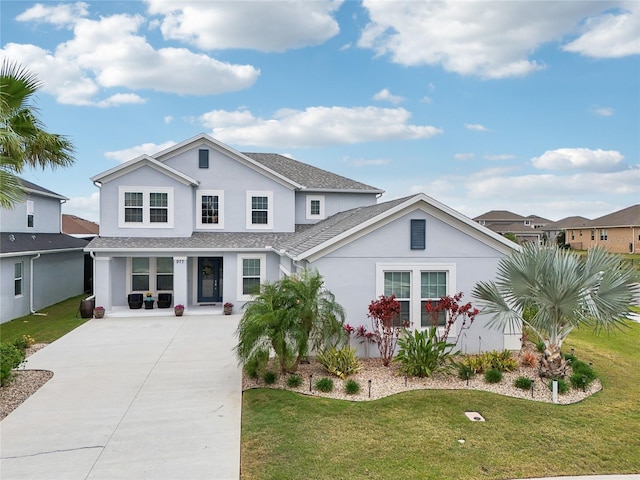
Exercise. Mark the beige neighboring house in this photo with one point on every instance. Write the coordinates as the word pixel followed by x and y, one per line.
pixel 618 232
pixel 577 223
pixel 79 227
pixel 526 229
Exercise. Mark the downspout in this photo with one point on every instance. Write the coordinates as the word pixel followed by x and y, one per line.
pixel 33 312
pixel 61 202
pixel 93 283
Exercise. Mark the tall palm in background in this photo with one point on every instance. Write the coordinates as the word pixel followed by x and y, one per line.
pixel 564 290
pixel 23 140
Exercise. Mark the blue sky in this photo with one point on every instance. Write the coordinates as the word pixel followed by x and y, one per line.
pixel 528 106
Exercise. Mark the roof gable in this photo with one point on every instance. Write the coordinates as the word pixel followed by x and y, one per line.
pixel 499 215
pixel 143 161
pixel 30 187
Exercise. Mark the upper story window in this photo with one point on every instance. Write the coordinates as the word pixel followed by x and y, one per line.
pixel 315 207
pixel 418 234
pixel 210 214
pixel 593 234
pixel 203 158
pixel 148 207
pixel 30 213
pixel 527 223
pixel 603 235
pixel 259 210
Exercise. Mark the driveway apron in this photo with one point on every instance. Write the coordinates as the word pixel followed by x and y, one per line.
pixel 131 398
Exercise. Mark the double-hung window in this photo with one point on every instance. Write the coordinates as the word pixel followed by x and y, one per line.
pixel 252 270
pixel 603 235
pixel 415 285
pixel 148 207
pixel 17 278
pixel 210 212
pixel 259 210
pixel 151 274
pixel 30 213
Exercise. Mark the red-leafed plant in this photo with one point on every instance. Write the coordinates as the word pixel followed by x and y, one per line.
pixel 383 312
pixel 453 310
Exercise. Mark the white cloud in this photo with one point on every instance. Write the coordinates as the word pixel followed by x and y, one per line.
pixel 362 162
pixel 476 127
pixel 611 35
pixel 256 25
pixel 603 111
pixel 168 119
pixel 464 156
pixel 386 95
pixel 133 152
pixel 121 99
pixel 486 39
pixel 62 15
pixel 579 159
pixel 109 54
pixel 426 99
pixel 504 156
pixel 315 126
pixel 84 207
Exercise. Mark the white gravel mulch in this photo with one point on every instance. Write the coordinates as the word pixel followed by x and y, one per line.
pixel 387 381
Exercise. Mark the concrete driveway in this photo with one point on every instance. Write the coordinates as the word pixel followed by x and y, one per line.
pixel 131 398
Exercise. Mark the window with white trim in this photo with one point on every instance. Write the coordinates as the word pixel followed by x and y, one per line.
pixel 603 235
pixel 259 210
pixel 211 209
pixel 30 213
pixel 150 274
pixel 149 207
pixel 18 269
pixel 414 285
pixel 252 274
pixel 315 207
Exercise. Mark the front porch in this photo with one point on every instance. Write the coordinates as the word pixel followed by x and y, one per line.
pixel 190 310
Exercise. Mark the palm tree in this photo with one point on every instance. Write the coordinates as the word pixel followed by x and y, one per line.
pixel 269 322
pixel 320 316
pixel 564 290
pixel 290 317
pixel 23 140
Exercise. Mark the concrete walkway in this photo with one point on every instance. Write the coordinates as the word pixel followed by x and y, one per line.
pixel 131 398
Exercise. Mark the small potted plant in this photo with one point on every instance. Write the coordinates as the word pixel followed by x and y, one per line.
pixel 98 312
pixel 148 301
pixel 228 307
pixel 178 310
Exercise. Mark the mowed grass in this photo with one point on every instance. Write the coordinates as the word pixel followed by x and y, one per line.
pixel 60 320
pixel 415 435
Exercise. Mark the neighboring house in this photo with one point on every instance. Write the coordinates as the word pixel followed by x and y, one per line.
pixel 208 224
pixel 525 229
pixel 39 265
pixel 618 232
pixel 80 228
pixel 577 224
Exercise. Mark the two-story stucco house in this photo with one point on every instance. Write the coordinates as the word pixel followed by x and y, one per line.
pixel 207 224
pixel 39 265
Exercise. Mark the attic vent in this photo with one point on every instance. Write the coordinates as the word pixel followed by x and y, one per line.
pixel 418 234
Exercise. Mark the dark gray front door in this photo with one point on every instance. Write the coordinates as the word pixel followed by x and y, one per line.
pixel 209 279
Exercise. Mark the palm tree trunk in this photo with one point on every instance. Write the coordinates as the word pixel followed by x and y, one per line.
pixel 552 365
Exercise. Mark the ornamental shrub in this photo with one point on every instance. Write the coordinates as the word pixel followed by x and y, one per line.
pixel 324 385
pixel 465 371
pixel 523 382
pixel 493 376
pixel 341 363
pixel 563 387
pixel 294 381
pixel 257 364
pixel 422 353
pixel 10 358
pixel 352 387
pixel 270 377
pixel 503 361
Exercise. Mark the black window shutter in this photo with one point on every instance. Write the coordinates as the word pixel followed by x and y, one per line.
pixel 418 234
pixel 203 158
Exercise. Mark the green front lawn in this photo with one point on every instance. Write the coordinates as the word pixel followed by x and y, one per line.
pixel 415 435
pixel 60 319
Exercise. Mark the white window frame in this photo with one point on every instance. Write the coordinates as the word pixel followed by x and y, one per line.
pixel 31 213
pixel 260 226
pixel 604 235
pixel 210 226
pixel 146 207
pixel 18 279
pixel 263 272
pixel 153 277
pixel 416 270
pixel 309 200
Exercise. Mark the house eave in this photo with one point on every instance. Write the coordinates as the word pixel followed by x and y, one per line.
pixel 27 253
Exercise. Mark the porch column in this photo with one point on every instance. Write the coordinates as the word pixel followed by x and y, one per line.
pixel 180 281
pixel 102 282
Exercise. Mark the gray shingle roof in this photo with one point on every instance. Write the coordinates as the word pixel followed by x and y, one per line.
pixel 38 242
pixel 629 216
pixel 199 240
pixel 37 188
pixel 569 222
pixel 499 216
pixel 308 175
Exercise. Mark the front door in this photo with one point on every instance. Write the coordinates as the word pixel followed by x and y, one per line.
pixel 209 279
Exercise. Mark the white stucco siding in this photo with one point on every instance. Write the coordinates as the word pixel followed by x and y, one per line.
pixel 332 203
pixel 12 306
pixel 353 271
pixel 46 216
